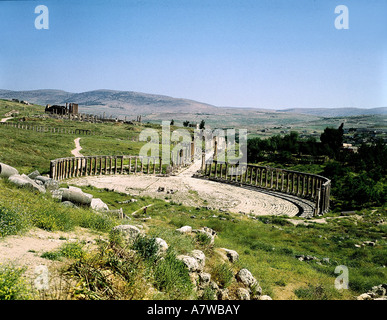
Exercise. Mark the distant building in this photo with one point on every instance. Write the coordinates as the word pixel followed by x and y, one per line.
pixel 69 108
pixel 349 147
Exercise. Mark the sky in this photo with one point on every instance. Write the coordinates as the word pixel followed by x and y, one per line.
pixel 243 53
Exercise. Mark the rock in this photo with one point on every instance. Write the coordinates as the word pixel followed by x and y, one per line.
pixel 161 189
pixel 200 258
pixel 223 294
pixel 379 290
pixel 34 174
pixel 214 286
pixel 265 297
pixel 129 232
pixel 68 204
pixel 364 296
pixel 243 294
pixel 162 244
pixel 25 182
pixel 51 185
pixel 232 255
pixel 205 279
pixel 6 171
pixel 98 205
pixel 326 260
pixel 246 278
pixel 57 194
pixel 190 262
pixel 184 229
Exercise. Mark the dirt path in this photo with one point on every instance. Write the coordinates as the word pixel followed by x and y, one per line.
pixel 78 148
pixel 26 250
pixel 183 188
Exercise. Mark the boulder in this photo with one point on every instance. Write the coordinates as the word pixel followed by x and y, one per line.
pixel 34 174
pixel 68 204
pixel 205 279
pixel 232 255
pixel 223 294
pixel 364 296
pixel 200 258
pixel 265 297
pixel 184 229
pixel 98 205
pixel 128 232
pixel 162 244
pixel 25 182
pixel 190 262
pixel 243 294
pixel 246 278
pixel 6 171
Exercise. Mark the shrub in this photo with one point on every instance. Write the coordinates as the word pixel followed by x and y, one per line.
pixel 203 239
pixel 12 285
pixel 223 275
pixel 172 277
pixel 146 247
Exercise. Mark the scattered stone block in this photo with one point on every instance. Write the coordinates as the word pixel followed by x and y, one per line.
pixel 98 205
pixel 184 229
pixel 232 255
pixel 7 171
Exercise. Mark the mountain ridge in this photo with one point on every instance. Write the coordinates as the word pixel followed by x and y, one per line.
pixel 119 102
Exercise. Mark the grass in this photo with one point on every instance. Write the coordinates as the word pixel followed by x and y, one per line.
pixel 12 284
pixel 21 209
pixel 68 250
pixel 267 246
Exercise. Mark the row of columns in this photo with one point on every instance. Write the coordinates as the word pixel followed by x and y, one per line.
pixel 299 184
pixel 46 129
pixel 66 168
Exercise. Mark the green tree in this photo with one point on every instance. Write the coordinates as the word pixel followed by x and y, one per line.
pixel 332 140
pixel 201 125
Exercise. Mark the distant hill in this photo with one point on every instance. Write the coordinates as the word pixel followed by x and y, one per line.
pixel 112 101
pixel 129 103
pixel 337 112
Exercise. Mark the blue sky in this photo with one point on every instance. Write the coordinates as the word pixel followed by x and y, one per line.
pixel 253 53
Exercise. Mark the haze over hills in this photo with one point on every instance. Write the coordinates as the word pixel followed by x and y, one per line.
pixel 129 103
pixel 337 112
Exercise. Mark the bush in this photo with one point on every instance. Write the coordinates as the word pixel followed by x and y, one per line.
pixel 223 275
pixel 146 247
pixel 12 286
pixel 171 276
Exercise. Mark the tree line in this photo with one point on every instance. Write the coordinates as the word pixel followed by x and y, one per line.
pixel 358 179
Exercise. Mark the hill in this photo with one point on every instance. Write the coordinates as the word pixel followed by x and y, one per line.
pixel 112 102
pixel 337 112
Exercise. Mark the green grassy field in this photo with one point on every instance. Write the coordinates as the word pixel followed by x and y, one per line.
pixel 267 246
